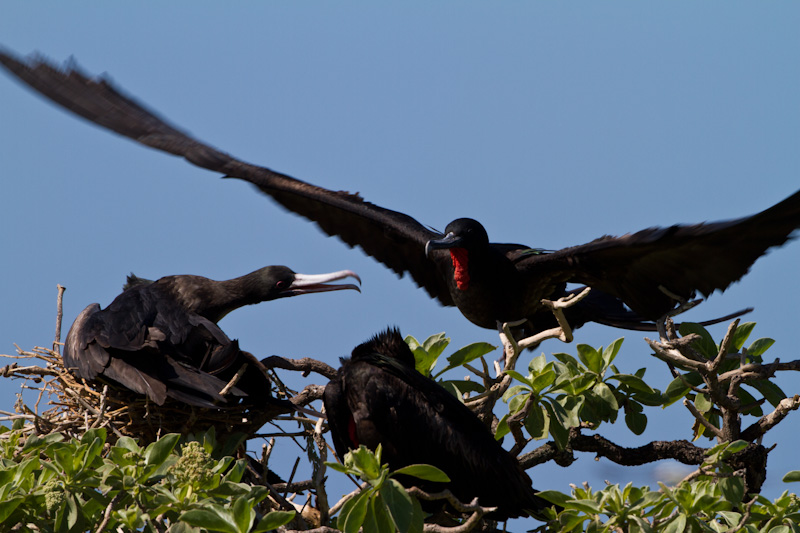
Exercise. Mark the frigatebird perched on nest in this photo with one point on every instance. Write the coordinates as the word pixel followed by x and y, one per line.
pixel 161 338
pixel 378 397
pixel 636 278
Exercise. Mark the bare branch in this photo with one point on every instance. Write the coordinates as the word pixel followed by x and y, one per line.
pixel 304 365
pixel 700 418
pixel 477 511
pixel 673 352
pixel 767 422
pixel 724 347
pixel 680 450
pixel 59 316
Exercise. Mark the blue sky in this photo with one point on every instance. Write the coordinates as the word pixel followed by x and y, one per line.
pixel 552 123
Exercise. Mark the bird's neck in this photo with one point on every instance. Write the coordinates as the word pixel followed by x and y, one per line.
pixel 232 294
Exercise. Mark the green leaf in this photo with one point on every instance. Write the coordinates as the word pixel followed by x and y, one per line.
pixel 771 392
pixel 8 506
pixel 634 383
pixel 537 364
pixel 502 428
pixel 604 392
pixel 636 422
pixel 543 381
pixel 398 502
pixel 353 512
pixel 467 354
pixel 610 353
pixel 792 476
pixel 519 377
pixel 427 353
pixel 732 489
pixel 591 358
pixel 417 517
pixel 747 399
pixel 759 346
pixel 158 451
pixel 436 343
pixel 742 332
pixel 129 444
pixel 703 403
pixel 587 506
pixel 366 463
pixel 553 496
pixel 705 344
pixel 377 518
pixel 559 432
pixel 426 472
pixel 677 390
pixel 35 441
pixel 678 525
pixel 567 360
pixel 537 423
pixel 209 519
pixel 274 520
pixel 72 510
pixel 243 514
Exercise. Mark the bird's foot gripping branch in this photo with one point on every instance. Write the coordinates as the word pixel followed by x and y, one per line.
pixel 563 332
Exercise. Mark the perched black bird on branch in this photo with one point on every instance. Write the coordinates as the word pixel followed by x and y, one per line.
pixel 636 278
pixel 378 397
pixel 161 338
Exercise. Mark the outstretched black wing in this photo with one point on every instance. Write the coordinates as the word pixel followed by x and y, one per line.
pixel 681 259
pixel 393 238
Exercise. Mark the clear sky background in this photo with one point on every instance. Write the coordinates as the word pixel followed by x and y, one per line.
pixel 552 123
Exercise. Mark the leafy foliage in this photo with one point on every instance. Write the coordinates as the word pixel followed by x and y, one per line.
pixel 561 394
pixel 385 506
pixel 60 486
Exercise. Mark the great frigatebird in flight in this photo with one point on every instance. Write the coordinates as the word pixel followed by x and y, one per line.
pixel 161 338
pixel 636 278
pixel 377 397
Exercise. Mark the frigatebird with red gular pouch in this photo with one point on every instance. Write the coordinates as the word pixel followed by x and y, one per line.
pixel 635 279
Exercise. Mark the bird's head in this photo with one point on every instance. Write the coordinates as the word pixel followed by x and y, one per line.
pixel 273 282
pixel 460 233
pixel 387 344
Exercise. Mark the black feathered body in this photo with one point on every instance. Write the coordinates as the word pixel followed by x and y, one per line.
pixel 148 340
pixel 379 398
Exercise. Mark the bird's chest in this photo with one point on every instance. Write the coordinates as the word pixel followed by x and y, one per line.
pixel 485 288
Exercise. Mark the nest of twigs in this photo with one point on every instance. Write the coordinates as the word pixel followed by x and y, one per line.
pixel 75 405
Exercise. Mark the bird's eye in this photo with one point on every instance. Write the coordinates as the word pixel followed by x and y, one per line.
pixel 280 285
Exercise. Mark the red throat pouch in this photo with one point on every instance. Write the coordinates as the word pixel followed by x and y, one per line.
pixel 460 258
pixel 351 432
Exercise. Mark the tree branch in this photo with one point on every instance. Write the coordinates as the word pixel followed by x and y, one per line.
pixel 767 422
pixel 305 365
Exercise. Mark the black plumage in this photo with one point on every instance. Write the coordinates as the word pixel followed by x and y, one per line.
pixel 161 338
pixel 378 397
pixel 636 278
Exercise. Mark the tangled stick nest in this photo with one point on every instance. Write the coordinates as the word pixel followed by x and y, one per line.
pixel 75 405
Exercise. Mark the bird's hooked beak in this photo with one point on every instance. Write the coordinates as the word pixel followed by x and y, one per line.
pixel 451 240
pixel 310 283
